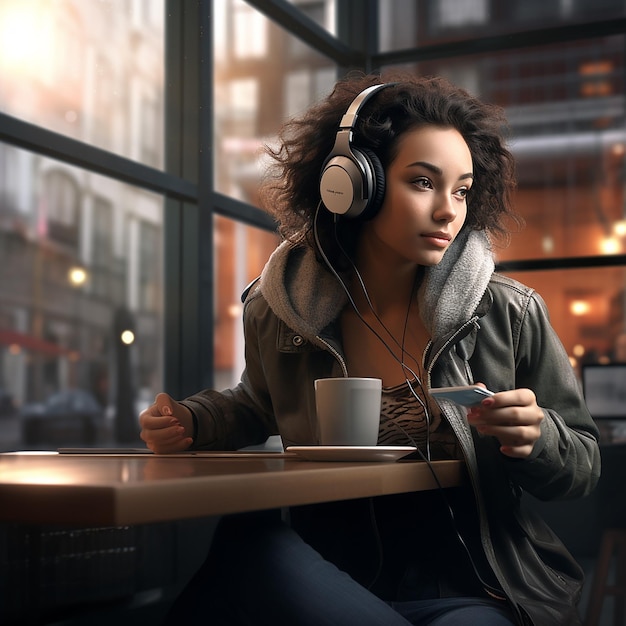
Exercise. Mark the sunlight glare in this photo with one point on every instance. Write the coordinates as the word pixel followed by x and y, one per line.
pixel 24 40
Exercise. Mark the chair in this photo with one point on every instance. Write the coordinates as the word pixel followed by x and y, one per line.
pixel 611 516
pixel 612 547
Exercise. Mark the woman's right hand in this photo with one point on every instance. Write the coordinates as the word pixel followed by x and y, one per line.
pixel 166 425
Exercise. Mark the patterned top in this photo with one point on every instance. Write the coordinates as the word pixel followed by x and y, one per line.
pixel 403 421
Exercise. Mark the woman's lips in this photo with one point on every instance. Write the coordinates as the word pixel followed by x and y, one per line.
pixel 440 240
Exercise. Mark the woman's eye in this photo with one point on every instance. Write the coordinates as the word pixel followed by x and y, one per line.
pixel 462 192
pixel 423 182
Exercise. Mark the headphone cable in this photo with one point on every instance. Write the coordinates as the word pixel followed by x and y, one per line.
pixel 405 368
pixel 425 457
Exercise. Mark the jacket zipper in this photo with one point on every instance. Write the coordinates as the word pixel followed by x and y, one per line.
pixel 443 347
pixel 336 354
pixel 472 468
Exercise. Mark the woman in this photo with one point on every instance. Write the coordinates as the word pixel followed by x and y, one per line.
pixel 388 195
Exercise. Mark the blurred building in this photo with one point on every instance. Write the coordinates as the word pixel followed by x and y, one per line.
pixel 75 246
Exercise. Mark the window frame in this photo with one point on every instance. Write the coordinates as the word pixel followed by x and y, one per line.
pixel 191 200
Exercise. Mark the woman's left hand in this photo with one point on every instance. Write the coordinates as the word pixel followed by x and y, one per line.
pixel 513 417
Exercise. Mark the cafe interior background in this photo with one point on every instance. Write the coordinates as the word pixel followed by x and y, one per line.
pixel 130 155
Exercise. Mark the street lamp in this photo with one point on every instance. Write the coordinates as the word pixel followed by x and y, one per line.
pixel 126 426
pixel 77 276
pixel 127 337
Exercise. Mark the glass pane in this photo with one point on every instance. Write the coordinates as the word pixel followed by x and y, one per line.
pixel 80 304
pixel 322 12
pixel 88 69
pixel 587 309
pixel 262 76
pixel 409 24
pixel 240 254
pixel 567 113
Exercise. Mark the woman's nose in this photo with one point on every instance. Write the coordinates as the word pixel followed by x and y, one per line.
pixel 445 209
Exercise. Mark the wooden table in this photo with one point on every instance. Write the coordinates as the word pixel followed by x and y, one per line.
pixel 121 489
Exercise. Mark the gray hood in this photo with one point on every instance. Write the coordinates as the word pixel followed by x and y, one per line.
pixel 307 298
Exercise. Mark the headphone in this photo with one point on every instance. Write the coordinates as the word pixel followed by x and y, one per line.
pixel 352 182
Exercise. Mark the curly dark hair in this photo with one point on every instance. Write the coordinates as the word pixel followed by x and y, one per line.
pixel 292 195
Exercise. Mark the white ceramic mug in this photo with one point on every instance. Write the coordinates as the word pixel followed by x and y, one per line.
pixel 348 411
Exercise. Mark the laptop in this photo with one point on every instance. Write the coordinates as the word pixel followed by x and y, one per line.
pixel 604 388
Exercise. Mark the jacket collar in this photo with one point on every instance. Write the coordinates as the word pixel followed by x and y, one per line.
pixel 307 297
pixel 452 290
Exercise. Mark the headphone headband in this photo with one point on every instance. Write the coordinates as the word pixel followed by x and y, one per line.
pixel 349 119
pixel 352 182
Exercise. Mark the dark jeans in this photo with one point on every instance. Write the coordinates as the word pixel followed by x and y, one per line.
pixel 259 571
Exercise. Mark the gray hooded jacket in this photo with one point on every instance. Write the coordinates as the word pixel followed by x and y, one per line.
pixel 484 328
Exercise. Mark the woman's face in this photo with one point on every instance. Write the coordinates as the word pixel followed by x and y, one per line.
pixel 425 202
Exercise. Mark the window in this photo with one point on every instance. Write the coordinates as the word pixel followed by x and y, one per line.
pixel 170 203
pixel 408 25
pixel 240 254
pixel 587 309
pixel 77 246
pixel 149 267
pixel 102 248
pixel 151 137
pixel 455 13
pixel 58 209
pixel 249 30
pixel 101 125
pixel 252 99
pixel 71 66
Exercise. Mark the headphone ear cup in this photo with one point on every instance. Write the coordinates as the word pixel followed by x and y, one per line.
pixel 377 194
pixel 353 186
pixel 352 181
